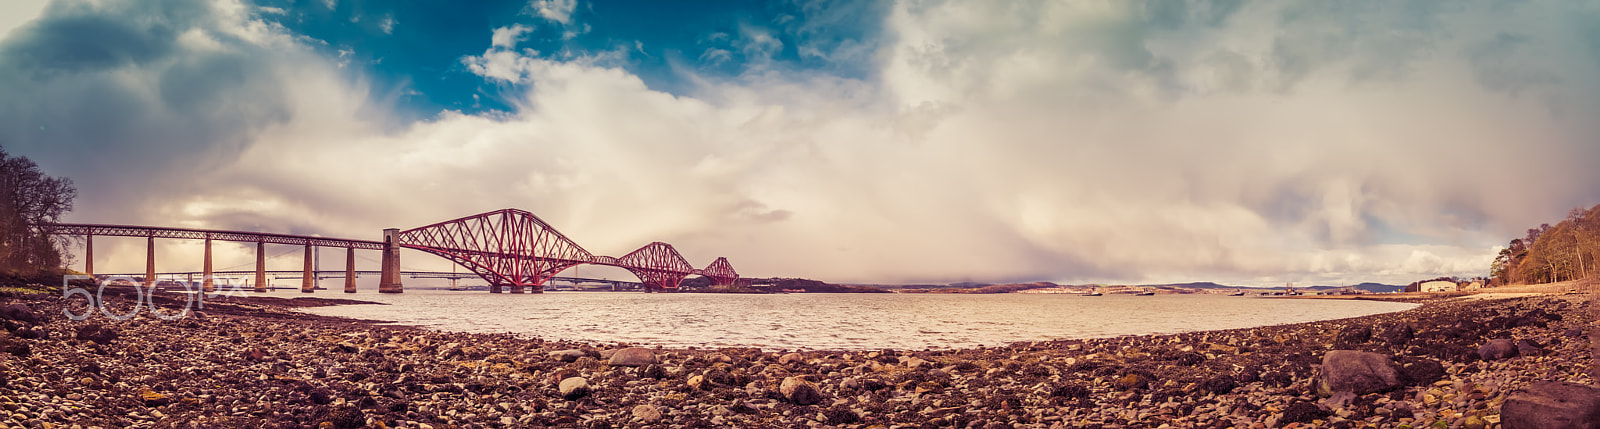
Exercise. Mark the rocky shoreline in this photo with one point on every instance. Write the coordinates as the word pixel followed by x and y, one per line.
pixel 249 363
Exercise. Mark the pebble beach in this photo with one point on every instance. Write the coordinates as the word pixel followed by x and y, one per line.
pixel 261 363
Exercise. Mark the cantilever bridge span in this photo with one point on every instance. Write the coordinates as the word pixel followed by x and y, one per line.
pixel 509 248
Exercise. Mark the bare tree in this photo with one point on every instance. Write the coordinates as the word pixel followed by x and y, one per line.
pixel 29 202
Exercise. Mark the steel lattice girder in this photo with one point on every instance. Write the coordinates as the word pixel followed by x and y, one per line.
pixel 202 234
pixel 505 247
pixel 721 272
pixel 658 264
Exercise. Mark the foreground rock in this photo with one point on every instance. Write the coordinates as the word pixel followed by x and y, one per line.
pixel 633 356
pixel 799 391
pixel 263 364
pixel 647 413
pixel 1553 405
pixel 574 388
pixel 1360 373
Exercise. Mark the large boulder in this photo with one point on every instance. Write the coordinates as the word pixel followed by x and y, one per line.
pixel 1495 349
pixel 1419 371
pixel 574 387
pixel 569 355
pixel 633 356
pixel 799 391
pixel 1356 372
pixel 20 313
pixel 96 333
pixel 1552 405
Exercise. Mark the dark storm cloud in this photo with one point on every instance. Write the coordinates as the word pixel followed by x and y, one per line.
pixel 133 97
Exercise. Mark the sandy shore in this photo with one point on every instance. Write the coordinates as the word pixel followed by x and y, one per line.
pixel 261 364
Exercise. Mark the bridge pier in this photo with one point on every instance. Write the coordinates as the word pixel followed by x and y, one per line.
pixel 207 285
pixel 389 280
pixel 349 270
pixel 261 267
pixel 516 288
pixel 308 281
pixel 494 288
pixel 150 262
pixel 88 256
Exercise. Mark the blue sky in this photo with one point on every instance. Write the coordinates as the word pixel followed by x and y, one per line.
pixel 1249 142
pixel 411 50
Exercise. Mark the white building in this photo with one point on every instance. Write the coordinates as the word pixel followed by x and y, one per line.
pixel 1439 286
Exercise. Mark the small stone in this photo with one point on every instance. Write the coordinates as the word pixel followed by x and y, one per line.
pixel 791 358
pixel 153 399
pixel 697 382
pixel 1132 381
pixel 1497 349
pixel 1527 348
pixel 913 362
pixel 647 413
pixel 574 387
pixel 633 356
pixel 1473 422
pixel 799 391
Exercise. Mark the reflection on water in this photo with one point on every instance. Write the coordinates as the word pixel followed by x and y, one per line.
pixel 836 321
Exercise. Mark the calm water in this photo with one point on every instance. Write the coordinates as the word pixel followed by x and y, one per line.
pixel 834 321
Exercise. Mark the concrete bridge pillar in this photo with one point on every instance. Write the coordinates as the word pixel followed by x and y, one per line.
pixel 150 262
pixel 516 288
pixel 495 288
pixel 88 256
pixel 206 284
pixel 308 281
pixel 349 270
pixel 261 267
pixel 389 280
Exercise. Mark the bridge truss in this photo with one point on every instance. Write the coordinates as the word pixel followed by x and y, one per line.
pixel 508 248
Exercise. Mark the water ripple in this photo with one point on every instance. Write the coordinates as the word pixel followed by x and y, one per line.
pixel 837 321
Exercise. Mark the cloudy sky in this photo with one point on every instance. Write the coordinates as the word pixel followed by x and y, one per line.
pixel 1248 142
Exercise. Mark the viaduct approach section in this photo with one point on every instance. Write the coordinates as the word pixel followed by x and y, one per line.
pixel 513 250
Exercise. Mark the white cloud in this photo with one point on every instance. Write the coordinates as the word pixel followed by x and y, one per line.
pixel 387 25
pixel 508 37
pixel 554 10
pixel 15 13
pixel 1059 141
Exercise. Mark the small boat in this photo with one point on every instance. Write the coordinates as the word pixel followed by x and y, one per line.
pixel 1146 293
pixel 1095 293
pixel 1237 293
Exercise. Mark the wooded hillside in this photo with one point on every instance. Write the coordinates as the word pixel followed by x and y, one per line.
pixel 1566 251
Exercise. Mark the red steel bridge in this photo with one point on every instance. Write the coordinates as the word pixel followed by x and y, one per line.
pixel 509 248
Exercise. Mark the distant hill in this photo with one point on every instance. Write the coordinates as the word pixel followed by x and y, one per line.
pixel 808 286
